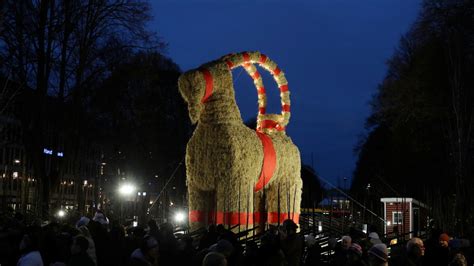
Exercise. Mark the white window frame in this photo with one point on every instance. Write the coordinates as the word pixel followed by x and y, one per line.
pixel 400 220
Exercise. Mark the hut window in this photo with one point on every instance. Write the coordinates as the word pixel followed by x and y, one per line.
pixel 397 217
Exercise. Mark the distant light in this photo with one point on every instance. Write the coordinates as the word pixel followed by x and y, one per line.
pixel 126 189
pixel 139 193
pixel 60 154
pixel 85 182
pixel 72 183
pixel 104 163
pixel 171 203
pixel 61 213
pixel 15 174
pixel 179 217
pixel 144 193
pixel 151 202
pixel 320 226
pixel 135 223
pixel 47 151
pixel 16 161
pixel 388 223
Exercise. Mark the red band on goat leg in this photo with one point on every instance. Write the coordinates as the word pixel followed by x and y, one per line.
pixel 197 216
pixel 273 217
pixel 269 161
pixel 209 84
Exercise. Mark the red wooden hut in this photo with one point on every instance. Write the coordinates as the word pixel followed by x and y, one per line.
pixel 404 216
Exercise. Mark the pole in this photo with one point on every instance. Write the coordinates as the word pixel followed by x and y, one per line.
pixel 238 212
pixel 279 209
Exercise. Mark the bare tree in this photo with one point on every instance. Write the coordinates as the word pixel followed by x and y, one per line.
pixel 64 49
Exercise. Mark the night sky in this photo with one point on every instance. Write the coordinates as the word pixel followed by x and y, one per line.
pixel 333 53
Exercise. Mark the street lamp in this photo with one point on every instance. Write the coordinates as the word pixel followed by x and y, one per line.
pixel 125 190
pixel 61 214
pixel 179 217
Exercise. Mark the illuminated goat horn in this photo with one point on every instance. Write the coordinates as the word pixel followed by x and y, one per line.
pixel 247 60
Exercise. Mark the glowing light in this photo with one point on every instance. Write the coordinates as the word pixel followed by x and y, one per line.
pixel 127 189
pixel 144 194
pixel 60 154
pixel 61 213
pixel 179 217
pixel 135 223
pixel 47 151
pixel 388 223
pixel 85 182
pixel 15 175
pixel 139 193
pixel 16 161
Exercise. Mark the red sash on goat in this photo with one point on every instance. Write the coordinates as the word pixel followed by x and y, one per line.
pixel 269 161
pixel 269 154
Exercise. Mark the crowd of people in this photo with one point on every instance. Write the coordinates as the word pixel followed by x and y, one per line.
pixel 98 241
pixel 439 249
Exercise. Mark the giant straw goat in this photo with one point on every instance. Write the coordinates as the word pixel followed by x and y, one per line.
pixel 236 175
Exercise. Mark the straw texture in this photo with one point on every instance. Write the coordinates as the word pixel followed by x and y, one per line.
pixel 224 157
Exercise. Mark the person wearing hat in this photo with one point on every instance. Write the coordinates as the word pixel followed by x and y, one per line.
pixel 354 255
pixel 378 255
pixel 313 251
pixel 374 238
pixel 146 254
pixel 214 259
pixel 79 256
pixel 444 240
pixel 442 254
pixel 291 243
pixel 223 247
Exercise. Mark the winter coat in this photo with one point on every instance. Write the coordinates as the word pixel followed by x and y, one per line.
pixel 32 258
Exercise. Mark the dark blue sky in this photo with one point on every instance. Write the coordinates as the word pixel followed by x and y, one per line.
pixel 333 53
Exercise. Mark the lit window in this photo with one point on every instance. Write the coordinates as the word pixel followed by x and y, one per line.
pixel 397 217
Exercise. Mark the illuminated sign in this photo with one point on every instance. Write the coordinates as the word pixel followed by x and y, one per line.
pixel 50 152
